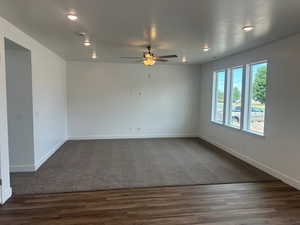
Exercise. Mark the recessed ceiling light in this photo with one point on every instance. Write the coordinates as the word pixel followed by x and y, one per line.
pixel 94 55
pixel 87 43
pixel 248 28
pixel 72 17
pixel 205 49
pixel 184 60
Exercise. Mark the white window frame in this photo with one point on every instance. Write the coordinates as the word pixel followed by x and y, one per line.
pixel 245 98
pixel 214 97
pixel 229 98
pixel 248 97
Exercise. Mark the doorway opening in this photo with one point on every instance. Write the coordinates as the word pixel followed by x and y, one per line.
pixel 19 107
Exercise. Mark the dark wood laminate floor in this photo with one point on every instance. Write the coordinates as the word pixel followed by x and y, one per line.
pixel 109 164
pixel 269 203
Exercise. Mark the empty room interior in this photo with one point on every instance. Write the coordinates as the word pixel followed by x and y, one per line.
pixel 140 112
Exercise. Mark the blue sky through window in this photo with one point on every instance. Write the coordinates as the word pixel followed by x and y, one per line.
pixel 221 81
pixel 238 74
pixel 237 77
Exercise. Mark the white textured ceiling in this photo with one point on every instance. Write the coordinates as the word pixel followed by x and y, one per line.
pixel 123 27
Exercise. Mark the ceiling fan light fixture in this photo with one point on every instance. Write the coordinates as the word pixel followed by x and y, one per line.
pixel 147 55
pixel 149 61
pixel 149 58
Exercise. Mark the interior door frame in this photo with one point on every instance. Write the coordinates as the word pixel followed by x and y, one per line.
pixel 5 188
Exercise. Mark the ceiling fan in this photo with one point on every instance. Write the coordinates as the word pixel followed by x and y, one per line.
pixel 149 59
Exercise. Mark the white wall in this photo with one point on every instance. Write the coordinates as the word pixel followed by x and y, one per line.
pixel 19 106
pixel 49 100
pixel 278 152
pixel 108 100
pixel 49 104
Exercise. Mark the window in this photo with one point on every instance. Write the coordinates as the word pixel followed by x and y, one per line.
pixel 219 96
pixel 240 97
pixel 236 90
pixel 257 98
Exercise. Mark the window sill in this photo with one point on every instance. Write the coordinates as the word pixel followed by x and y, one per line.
pixel 238 129
pixel 255 133
pixel 218 123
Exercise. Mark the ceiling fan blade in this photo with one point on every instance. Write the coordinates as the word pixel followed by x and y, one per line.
pixel 162 60
pixel 167 56
pixel 130 57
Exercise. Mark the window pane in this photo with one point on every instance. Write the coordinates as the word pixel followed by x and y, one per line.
pixel 258 85
pixel 236 96
pixel 220 92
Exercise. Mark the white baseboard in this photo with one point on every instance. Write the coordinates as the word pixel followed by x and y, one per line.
pixel 5 195
pixel 135 136
pixel 36 166
pixel 48 155
pixel 274 172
